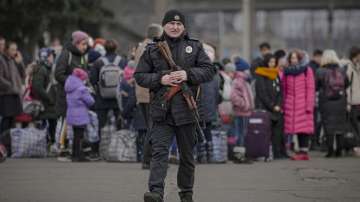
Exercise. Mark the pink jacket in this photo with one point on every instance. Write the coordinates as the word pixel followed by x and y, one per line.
pixel 241 95
pixel 298 102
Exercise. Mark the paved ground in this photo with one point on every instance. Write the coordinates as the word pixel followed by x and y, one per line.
pixel 46 180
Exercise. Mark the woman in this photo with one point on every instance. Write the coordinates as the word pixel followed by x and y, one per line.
pixel 298 86
pixel 331 83
pixel 269 98
pixel 12 77
pixel 42 87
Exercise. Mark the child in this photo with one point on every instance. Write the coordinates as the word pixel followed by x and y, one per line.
pixel 78 100
pixel 242 100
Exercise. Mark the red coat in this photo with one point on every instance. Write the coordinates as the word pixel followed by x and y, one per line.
pixel 298 102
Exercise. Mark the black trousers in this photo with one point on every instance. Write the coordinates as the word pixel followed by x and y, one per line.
pixel 303 140
pixel 144 107
pixel 331 137
pixel 278 139
pixel 355 122
pixel 79 132
pixel 103 119
pixel 161 139
pixel 6 124
pixel 52 130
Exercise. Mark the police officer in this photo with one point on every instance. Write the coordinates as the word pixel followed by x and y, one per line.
pixel 173 117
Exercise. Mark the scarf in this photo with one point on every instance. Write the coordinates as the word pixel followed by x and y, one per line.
pixel 270 73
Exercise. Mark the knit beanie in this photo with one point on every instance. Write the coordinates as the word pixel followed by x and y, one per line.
pixel 80 73
pixel 241 65
pixel 230 67
pixel 173 15
pixel 78 36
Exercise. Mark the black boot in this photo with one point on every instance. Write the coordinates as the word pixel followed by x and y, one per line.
pixel 339 145
pixel 77 153
pixel 152 197
pixel 330 153
pixel 186 197
pixel 330 146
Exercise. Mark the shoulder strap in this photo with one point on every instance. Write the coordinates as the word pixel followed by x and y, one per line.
pixel 69 58
pixel 117 60
pixel 105 61
pixel 351 86
pixel 198 91
pixel 52 79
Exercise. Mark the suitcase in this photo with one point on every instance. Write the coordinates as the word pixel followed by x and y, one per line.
pixel 258 136
pixel 220 145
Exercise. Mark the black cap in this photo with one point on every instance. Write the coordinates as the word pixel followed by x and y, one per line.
pixel 173 15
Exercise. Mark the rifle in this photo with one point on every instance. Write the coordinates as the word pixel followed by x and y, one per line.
pixel 183 87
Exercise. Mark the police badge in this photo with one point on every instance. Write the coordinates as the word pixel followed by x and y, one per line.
pixel 188 49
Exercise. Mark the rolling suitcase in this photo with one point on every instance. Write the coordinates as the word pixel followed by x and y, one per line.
pixel 258 137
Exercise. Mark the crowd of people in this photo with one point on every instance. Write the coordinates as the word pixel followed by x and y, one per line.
pixel 313 101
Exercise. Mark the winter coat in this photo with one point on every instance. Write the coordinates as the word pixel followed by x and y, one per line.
pixel 257 62
pixel 78 102
pixel 188 54
pixel 333 112
pixel 132 111
pixel 353 92
pixel 12 77
pixel 127 91
pixel 40 82
pixel 268 91
pixel 314 66
pixel 69 59
pixel 209 99
pixel 242 97
pixel 299 99
pixel 142 94
pixel 101 103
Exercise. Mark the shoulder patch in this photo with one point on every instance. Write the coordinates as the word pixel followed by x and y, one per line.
pixel 192 39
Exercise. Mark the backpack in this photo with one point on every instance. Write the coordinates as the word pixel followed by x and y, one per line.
pixel 334 84
pixel 109 77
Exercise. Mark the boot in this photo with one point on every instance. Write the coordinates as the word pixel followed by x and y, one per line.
pixel 152 197
pixel 330 146
pixel 330 152
pixel 339 145
pixel 186 197
pixel 77 153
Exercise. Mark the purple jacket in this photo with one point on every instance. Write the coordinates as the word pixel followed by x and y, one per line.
pixel 78 101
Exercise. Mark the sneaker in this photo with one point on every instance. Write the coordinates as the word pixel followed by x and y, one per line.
pixel 94 156
pixel 305 157
pixel 145 166
pixel 186 197
pixel 152 197
pixel 64 159
pixel 64 156
pixel 80 160
pixel 297 157
pixel 173 160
